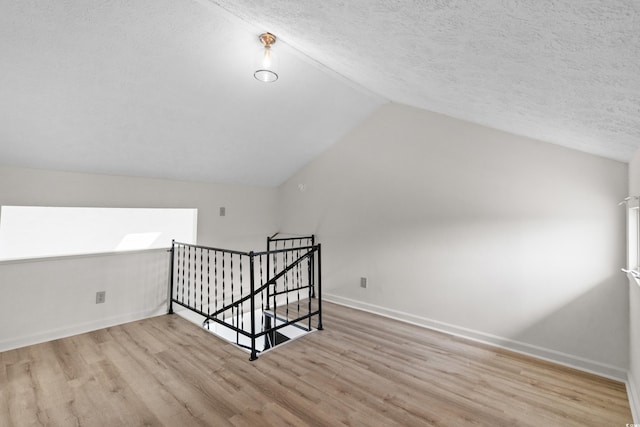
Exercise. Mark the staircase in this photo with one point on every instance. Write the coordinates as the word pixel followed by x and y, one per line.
pixel 256 300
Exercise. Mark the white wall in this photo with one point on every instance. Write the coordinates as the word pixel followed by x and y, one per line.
pixel 55 297
pixel 634 306
pixel 474 231
pixel 50 298
pixel 250 210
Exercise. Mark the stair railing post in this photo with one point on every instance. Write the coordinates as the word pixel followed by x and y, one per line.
pixel 319 288
pixel 311 267
pixel 171 276
pixel 254 354
pixel 268 267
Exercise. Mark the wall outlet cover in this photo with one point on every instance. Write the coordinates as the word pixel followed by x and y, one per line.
pixel 101 297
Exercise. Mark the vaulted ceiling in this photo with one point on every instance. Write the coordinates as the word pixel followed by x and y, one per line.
pixel 161 88
pixel 165 88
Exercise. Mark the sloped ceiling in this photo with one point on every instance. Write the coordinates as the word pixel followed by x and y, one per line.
pixel 563 71
pixel 165 88
pixel 161 88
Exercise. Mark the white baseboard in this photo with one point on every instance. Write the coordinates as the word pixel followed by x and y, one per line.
pixel 634 399
pixel 81 328
pixel 572 361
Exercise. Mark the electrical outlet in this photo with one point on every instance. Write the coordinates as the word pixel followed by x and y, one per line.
pixel 100 297
pixel 363 282
pixel 223 211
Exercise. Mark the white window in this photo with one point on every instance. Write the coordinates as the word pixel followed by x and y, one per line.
pixel 36 231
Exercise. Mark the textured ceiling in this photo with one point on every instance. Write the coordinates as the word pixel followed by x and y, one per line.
pixel 563 71
pixel 164 88
pixel 160 88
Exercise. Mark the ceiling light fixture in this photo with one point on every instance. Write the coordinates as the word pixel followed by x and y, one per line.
pixel 267 67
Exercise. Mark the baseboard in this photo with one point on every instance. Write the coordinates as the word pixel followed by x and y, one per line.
pixel 81 328
pixel 569 360
pixel 634 399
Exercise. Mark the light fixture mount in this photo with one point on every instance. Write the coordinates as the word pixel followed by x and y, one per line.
pixel 267 39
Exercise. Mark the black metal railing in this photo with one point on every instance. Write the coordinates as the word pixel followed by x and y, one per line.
pixel 251 294
pixel 275 243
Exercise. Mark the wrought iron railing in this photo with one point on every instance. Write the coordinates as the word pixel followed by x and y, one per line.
pixel 275 243
pixel 253 295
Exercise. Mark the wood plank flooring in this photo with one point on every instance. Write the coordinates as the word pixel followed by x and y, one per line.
pixel 362 370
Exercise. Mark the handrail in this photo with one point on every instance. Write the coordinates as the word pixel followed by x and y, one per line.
pixel 266 284
pixel 278 251
pixel 280 239
pixel 299 239
pixel 203 276
pixel 229 251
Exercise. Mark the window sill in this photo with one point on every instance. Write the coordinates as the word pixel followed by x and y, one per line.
pixel 78 256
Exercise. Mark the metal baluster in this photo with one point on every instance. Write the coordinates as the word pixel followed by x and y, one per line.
pixel 208 286
pixel 215 280
pixel 298 280
pixel 189 279
pixel 312 275
pixel 275 283
pixel 262 296
pixel 172 261
pixel 192 278
pixel 224 313
pixel 195 278
pixel 268 269
pixel 252 288
pixel 286 279
pixel 201 282
pixel 184 256
pixel 233 297
pixel 241 305
pixel 310 292
pixel 237 311
pixel 178 272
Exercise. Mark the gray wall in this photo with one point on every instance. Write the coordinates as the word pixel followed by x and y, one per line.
pixel 474 231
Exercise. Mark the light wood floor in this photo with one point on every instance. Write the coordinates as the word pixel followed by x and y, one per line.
pixel 361 370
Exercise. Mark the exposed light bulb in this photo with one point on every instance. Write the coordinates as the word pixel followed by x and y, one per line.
pixel 267 66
